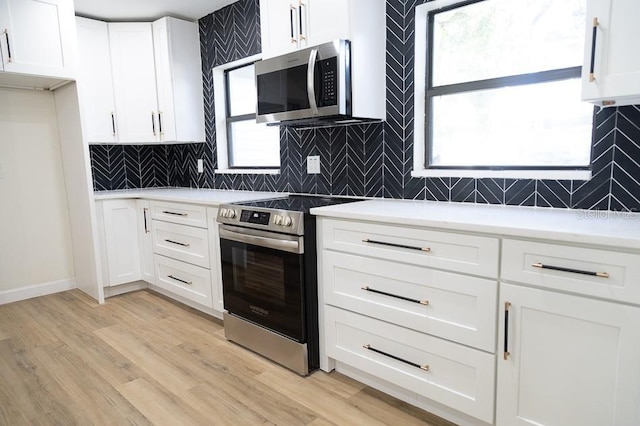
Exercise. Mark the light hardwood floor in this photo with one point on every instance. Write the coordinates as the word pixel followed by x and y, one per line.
pixel 142 359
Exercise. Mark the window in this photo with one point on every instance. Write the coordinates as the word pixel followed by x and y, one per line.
pixel 243 146
pixel 498 89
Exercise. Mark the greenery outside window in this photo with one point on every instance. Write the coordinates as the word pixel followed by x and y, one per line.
pixel 498 89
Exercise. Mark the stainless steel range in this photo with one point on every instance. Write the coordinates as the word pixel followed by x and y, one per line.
pixel 269 278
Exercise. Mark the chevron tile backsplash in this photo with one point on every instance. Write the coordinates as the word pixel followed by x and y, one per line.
pixel 372 160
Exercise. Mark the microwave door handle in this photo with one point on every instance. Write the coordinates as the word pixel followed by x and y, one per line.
pixel 311 89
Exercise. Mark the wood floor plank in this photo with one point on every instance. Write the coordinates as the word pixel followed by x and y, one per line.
pixel 150 358
pixel 33 392
pixel 84 387
pixel 323 402
pixel 160 406
pixel 143 359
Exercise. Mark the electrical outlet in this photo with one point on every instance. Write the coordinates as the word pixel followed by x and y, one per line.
pixel 313 164
pixel 200 165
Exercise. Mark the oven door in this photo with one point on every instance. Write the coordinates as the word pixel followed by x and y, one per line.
pixel 263 278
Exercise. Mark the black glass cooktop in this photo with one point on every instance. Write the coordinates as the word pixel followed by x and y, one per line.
pixel 297 203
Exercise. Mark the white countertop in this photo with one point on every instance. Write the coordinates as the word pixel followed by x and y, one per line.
pixel 621 230
pixel 210 197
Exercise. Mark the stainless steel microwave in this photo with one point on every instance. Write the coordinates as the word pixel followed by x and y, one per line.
pixel 305 86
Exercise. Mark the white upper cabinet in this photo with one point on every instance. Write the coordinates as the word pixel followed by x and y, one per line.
pixel 611 70
pixel 38 38
pixel 288 25
pixel 141 82
pixel 134 82
pixel 95 81
pixel 179 81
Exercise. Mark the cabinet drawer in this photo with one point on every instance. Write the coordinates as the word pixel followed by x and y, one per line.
pixel 185 214
pixel 619 271
pixel 183 279
pixel 452 306
pixel 469 254
pixel 451 374
pixel 181 242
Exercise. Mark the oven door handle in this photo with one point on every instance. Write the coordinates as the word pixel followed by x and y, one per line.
pixel 291 246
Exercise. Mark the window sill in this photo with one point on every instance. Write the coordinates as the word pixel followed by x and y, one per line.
pixel 247 171
pixel 505 174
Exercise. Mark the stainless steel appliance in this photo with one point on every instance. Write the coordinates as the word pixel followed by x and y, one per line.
pixel 269 278
pixel 306 84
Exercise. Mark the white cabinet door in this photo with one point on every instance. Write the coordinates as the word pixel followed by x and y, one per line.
pixel 95 81
pixel 179 80
pixel 572 360
pixel 326 20
pixel 615 75
pixel 279 25
pixel 216 263
pixel 145 240
pixel 121 241
pixel 38 37
pixel 134 82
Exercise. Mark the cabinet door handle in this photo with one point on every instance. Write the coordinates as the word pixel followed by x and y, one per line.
pixel 507 306
pixel 383 243
pixel 6 36
pixel 384 293
pixel 144 214
pixel 179 280
pixel 113 123
pixel 160 121
pixel 174 213
pixel 424 367
pixel 301 33
pixel 594 35
pixel 573 271
pixel 292 10
pixel 178 243
pixel 153 122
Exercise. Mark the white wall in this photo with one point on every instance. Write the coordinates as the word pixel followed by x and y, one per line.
pixel 35 236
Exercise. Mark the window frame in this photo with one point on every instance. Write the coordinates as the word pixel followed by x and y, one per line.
pixel 223 120
pixel 425 92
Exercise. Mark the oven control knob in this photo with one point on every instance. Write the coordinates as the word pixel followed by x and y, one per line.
pixel 277 219
pixel 231 213
pixel 223 212
pixel 287 221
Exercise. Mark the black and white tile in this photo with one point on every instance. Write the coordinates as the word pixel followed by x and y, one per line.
pixel 373 160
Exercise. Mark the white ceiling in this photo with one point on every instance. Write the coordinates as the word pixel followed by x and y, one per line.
pixel 147 10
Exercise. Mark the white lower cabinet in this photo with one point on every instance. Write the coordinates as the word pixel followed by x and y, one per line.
pixel 215 260
pixel 186 280
pixel 451 374
pixel 571 360
pixel 120 250
pixel 413 311
pixel 181 251
pixel 146 241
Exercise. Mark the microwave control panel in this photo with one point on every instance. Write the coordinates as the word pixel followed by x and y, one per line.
pixel 329 78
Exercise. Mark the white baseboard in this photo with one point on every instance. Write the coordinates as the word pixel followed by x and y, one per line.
pixel 36 290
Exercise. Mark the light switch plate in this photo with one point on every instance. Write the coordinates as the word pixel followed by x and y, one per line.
pixel 200 165
pixel 313 164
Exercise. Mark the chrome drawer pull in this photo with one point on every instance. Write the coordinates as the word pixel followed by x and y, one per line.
pixel 425 249
pixel 573 271
pixel 421 302
pixel 413 364
pixel 178 279
pixel 178 244
pixel 174 213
